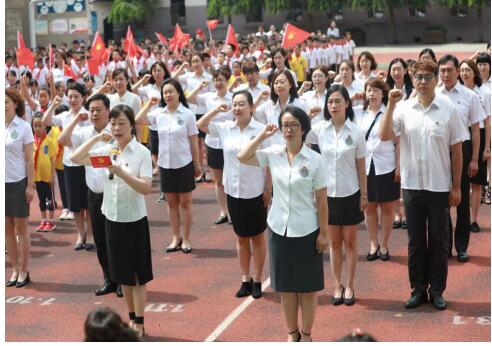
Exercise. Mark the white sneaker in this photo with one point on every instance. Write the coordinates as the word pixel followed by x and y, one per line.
pixel 64 214
pixel 70 216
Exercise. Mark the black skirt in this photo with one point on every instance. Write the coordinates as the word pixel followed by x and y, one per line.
pixel 178 180
pixel 248 216
pixel 345 211
pixel 154 142
pixel 129 252
pixel 15 199
pixel 215 158
pixel 382 188
pixel 295 264
pixel 75 188
pixel 481 177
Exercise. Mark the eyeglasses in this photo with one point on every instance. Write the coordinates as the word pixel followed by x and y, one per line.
pixel 292 127
pixel 426 77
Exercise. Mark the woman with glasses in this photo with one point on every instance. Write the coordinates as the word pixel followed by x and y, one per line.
pixel 343 147
pixel 297 219
pixel 470 78
pixel 215 154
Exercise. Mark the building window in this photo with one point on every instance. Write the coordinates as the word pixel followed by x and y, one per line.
pixel 178 12
pixel 376 14
pixel 255 13
pixel 459 11
pixel 416 11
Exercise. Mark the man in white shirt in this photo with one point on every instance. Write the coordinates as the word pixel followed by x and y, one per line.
pixel 429 128
pixel 99 112
pixel 471 113
pixel 251 72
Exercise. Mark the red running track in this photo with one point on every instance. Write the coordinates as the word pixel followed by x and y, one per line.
pixel 192 294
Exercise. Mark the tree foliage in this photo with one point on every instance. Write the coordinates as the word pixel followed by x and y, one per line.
pixel 128 11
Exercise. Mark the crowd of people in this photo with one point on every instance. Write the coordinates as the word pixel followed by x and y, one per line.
pixel 304 143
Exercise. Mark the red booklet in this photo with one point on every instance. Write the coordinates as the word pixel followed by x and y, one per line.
pixel 100 161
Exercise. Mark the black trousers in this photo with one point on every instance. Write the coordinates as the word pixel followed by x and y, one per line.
pixel 98 220
pixel 427 215
pixel 462 231
pixel 61 184
pixel 45 196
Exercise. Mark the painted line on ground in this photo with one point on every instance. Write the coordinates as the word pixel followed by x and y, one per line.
pixel 233 315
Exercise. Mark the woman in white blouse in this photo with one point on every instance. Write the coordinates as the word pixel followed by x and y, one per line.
pixel 343 148
pixel 178 157
pixel 279 63
pixel 129 178
pixel 283 93
pixel 354 87
pixel 366 66
pixel 470 77
pixel 315 99
pixel 19 186
pixel 248 191
pixel 215 155
pixel 297 219
pixel 382 168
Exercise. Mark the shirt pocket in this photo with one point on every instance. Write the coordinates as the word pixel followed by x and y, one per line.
pixel 437 129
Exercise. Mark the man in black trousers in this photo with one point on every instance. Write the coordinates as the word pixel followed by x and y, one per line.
pixel 429 128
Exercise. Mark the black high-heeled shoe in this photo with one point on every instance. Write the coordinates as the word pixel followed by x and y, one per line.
pixel 201 178
pixel 338 301
pixel 11 283
pixel 23 282
pixel 349 301
pixel 175 248
pixel 373 256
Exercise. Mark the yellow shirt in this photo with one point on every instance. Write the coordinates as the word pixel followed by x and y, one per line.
pixel 42 168
pixel 143 133
pixel 299 66
pixel 233 79
pixel 53 135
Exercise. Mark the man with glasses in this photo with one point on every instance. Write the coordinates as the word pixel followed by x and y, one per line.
pixel 429 128
pixel 471 113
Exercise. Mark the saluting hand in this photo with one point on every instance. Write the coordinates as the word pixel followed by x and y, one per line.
pixel 154 100
pixel 57 101
pixel 394 96
pixel 204 84
pixel 105 136
pixel 269 130
pixel 224 107
pixel 314 111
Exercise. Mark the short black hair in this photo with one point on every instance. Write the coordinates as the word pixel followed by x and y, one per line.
pixel 80 88
pixel 126 111
pixel 448 57
pixel 428 51
pixel 349 112
pixel 300 115
pixel 99 97
pixel 293 88
pixel 104 324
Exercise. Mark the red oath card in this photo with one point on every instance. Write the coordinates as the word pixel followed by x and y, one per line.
pixel 100 161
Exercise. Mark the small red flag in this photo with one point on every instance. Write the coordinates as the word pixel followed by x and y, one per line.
pixel 179 38
pixel 68 72
pixel 212 24
pixel 130 47
pixel 93 66
pixel 24 55
pixel 293 35
pixel 231 39
pixel 98 47
pixel 162 39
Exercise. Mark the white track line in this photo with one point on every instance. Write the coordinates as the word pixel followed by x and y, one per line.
pixel 233 315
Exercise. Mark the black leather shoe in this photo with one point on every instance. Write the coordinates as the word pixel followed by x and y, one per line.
pixel 174 248
pixel 396 224
pixel 79 246
pixel 438 302
pixel 222 219
pixel 89 246
pixel 11 283
pixel 373 256
pixel 256 290
pixel 349 301
pixel 404 224
pixel 245 289
pixel 475 228
pixel 107 288
pixel 119 291
pixel 416 299
pixel 463 257
pixel 23 282
pixel 384 256
pixel 339 300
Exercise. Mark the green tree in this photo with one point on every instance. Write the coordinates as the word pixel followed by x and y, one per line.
pixel 130 11
pixel 478 4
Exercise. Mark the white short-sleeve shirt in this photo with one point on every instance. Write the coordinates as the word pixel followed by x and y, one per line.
pixel 256 91
pixel 129 99
pixel 191 81
pixel 466 102
pixel 94 177
pixel 293 212
pixel 426 136
pixel 340 152
pixel 174 130
pixel 240 181
pixel 63 120
pixel 266 73
pixel 147 92
pixel 121 203
pixel 17 134
pixel 383 153
pixel 484 97
pixel 313 99
pixel 209 101
pixel 268 113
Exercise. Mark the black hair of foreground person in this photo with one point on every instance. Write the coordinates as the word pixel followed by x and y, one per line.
pixel 357 335
pixel 103 324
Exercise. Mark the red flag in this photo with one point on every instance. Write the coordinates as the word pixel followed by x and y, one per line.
pixel 98 47
pixel 212 24
pixel 162 39
pixel 105 56
pixel 293 35
pixel 51 57
pixel 68 72
pixel 231 39
pixel 24 55
pixel 93 66
pixel 179 38
pixel 130 47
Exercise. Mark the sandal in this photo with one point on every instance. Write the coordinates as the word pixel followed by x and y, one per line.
pixel 139 321
pixel 298 335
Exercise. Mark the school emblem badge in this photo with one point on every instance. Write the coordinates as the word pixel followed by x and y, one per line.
pixel 349 140
pixel 304 172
